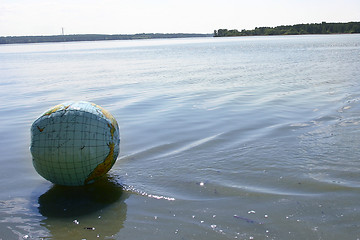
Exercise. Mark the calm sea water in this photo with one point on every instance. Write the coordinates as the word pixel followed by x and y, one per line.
pixel 221 138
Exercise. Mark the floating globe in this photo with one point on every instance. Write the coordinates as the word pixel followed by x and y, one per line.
pixel 74 143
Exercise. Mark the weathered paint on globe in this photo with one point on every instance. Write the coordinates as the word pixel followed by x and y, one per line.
pixel 74 143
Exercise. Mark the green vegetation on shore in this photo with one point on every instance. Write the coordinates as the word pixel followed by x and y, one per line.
pixel 94 37
pixel 313 28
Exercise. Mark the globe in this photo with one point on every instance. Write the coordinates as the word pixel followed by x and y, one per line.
pixel 74 143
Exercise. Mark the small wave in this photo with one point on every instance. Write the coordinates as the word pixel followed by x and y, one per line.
pixel 192 145
pixel 168 149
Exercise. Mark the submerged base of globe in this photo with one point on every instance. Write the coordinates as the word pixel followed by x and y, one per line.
pixel 74 143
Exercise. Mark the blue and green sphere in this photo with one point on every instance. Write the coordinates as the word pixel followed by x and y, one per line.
pixel 74 143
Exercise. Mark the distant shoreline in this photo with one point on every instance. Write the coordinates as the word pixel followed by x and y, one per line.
pixel 298 29
pixel 95 37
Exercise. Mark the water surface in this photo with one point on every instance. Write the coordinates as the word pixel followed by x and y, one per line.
pixel 221 138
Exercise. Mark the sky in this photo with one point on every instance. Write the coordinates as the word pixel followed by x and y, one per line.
pixel 49 17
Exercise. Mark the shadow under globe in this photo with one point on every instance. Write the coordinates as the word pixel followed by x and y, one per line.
pixel 63 201
pixel 94 210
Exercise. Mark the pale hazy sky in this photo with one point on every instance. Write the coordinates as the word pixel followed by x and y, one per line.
pixel 48 17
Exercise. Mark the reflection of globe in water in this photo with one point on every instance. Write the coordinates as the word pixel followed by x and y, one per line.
pixel 93 211
pixel 74 143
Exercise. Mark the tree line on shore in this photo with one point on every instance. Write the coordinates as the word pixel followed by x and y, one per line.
pixel 313 28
